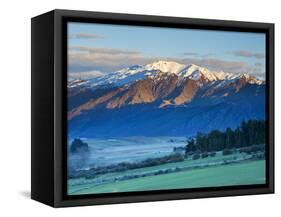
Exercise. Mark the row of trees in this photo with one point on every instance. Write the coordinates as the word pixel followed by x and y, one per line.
pixel 249 133
pixel 123 166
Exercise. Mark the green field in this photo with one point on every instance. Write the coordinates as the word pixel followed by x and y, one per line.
pixel 245 173
pixel 78 184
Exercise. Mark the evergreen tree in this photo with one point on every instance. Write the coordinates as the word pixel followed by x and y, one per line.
pixel 252 132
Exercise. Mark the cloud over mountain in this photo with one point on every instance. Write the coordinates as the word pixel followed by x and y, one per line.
pixel 103 59
pixel 83 58
pixel 85 75
pixel 86 36
pixel 248 54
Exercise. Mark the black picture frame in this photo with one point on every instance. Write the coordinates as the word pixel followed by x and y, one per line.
pixel 49 116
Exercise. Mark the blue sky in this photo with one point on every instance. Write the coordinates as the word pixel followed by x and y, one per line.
pixel 107 48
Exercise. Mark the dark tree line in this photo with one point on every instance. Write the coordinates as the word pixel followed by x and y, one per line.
pixel 123 166
pixel 247 134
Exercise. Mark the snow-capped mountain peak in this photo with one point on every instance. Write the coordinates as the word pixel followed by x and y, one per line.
pixel 250 79
pixel 196 72
pixel 165 66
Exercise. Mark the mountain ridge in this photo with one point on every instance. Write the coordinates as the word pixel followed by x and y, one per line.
pixel 138 72
pixel 144 97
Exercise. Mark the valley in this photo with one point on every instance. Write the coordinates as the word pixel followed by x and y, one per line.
pixel 165 125
pixel 235 169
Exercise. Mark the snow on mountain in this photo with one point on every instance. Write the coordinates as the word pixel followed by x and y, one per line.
pixel 165 66
pixel 195 72
pixel 162 68
pixel 250 79
pixel 201 73
pixel 84 75
pixel 76 82
pixel 123 76
pixel 137 72
pixel 225 75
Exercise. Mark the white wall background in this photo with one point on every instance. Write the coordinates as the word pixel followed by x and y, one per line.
pixel 15 106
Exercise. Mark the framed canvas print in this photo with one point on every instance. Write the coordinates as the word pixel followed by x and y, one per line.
pixel 131 108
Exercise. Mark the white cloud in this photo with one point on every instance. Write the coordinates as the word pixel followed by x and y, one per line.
pixel 218 64
pixel 248 54
pixel 85 74
pixel 86 36
pixel 103 58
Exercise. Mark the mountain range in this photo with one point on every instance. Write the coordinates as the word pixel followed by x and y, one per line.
pixel 163 98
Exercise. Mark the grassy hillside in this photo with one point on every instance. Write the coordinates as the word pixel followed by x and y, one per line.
pixel 235 174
